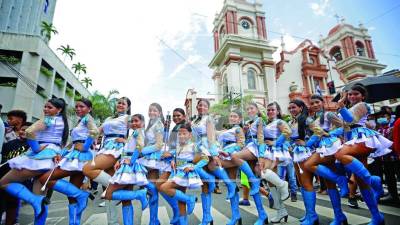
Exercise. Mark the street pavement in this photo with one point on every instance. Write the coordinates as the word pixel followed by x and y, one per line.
pixel 95 215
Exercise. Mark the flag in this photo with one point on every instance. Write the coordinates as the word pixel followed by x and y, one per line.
pixel 318 90
pixel 46 6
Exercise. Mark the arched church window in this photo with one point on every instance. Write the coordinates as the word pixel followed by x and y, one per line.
pixel 251 79
pixel 336 53
pixel 360 49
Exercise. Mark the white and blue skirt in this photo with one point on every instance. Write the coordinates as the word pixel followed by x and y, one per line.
pixel 190 180
pixel 130 174
pixel 371 138
pixel 253 148
pixel 154 161
pixel 74 160
pixel 328 146
pixel 111 147
pixel 280 153
pixel 43 160
pixel 300 153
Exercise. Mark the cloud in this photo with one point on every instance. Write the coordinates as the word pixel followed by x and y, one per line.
pixel 119 42
pixel 290 44
pixel 320 8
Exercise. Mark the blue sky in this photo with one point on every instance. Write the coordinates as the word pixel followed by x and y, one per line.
pixel 154 51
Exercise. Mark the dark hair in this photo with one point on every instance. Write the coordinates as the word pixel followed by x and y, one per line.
pixel 237 112
pixel 301 119
pixel 397 112
pixel 278 108
pixel 159 108
pixel 360 88
pixel 59 103
pixel 140 116
pixel 256 106
pixel 18 113
pixel 180 110
pixel 85 101
pixel 319 97
pixel 186 126
pixel 128 102
pixel 204 100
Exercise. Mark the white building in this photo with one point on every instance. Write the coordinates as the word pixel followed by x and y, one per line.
pixel 30 72
pixel 191 100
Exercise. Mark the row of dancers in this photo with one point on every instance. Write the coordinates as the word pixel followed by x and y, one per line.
pixel 143 162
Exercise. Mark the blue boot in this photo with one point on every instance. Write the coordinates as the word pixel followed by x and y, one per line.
pixel 208 178
pixel 373 181
pixel 206 206
pixel 188 199
pixel 262 215
pixel 127 214
pixel 305 215
pixel 153 204
pixel 72 213
pixel 340 218
pixel 183 220
pixel 72 191
pixel 38 203
pixel 328 174
pixel 126 195
pixel 376 217
pixel 309 198
pixel 235 212
pixel 174 206
pixel 254 181
pixel 231 186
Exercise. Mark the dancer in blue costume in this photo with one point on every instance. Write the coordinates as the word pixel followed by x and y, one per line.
pixel 100 170
pixel 45 138
pixel 326 130
pixel 187 159
pixel 82 136
pixel 362 143
pixel 254 134
pixel 232 141
pixel 205 137
pixel 129 173
pixel 300 151
pixel 154 158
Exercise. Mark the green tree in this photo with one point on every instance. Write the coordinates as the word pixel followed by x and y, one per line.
pixel 47 29
pixel 103 106
pixel 79 68
pixel 67 51
pixel 86 81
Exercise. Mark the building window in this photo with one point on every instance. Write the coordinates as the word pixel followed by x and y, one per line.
pixel 360 49
pixel 225 86
pixel 251 79
pixel 336 53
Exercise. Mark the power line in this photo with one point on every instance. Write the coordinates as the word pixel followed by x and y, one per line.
pixel 383 14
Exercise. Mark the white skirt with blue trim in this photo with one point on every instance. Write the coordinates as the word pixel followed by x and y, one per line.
pixel 190 180
pixel 43 160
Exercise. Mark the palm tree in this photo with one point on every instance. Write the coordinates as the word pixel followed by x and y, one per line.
pixel 47 29
pixel 86 81
pixel 67 51
pixel 78 68
pixel 103 106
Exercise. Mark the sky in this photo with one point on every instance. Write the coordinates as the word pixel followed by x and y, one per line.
pixel 154 51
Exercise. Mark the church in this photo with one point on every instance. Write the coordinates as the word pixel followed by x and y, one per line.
pixel 243 64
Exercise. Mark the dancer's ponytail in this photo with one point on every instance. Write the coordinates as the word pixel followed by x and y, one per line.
pixel 59 103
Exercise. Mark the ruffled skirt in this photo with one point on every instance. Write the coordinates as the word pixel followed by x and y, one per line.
pixel 253 148
pixel 130 174
pixel 300 153
pixel 189 180
pixel 111 147
pixel 328 146
pixel 42 160
pixel 74 160
pixel 154 161
pixel 230 150
pixel 371 138
pixel 280 153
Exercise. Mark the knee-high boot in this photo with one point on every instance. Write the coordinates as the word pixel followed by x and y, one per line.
pixel 262 215
pixel 38 203
pixel 127 214
pixel 309 198
pixel 208 178
pixel 153 204
pixel 376 217
pixel 282 186
pixel 174 206
pixel 254 181
pixel 206 206
pixel 302 195
pixel 327 173
pixel 231 186
pixel 235 212
pixel 188 199
pixel 125 195
pixel 360 171
pixel 340 218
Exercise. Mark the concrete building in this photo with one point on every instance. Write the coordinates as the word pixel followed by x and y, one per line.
pixel 191 102
pixel 242 62
pixel 351 48
pixel 30 72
